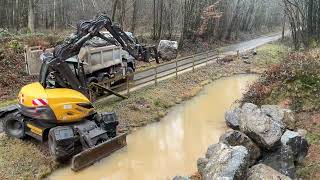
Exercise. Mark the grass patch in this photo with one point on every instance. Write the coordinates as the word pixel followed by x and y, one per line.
pixel 304 172
pixel 7 103
pixel 23 160
pixel 310 168
pixel 313 138
pixel 270 54
pixel 295 80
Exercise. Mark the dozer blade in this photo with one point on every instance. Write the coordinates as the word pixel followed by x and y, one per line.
pixel 90 156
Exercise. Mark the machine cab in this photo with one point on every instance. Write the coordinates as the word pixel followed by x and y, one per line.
pixel 47 100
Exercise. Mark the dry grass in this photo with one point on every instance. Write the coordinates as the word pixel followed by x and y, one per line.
pixel 23 160
pixel 296 80
pixel 311 122
pixel 270 54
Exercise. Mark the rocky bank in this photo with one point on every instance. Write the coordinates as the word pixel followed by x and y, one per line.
pixel 261 144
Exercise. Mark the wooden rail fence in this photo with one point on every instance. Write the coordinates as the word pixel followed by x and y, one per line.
pixel 151 74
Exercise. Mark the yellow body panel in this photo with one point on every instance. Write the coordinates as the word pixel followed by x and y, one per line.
pixel 30 92
pixel 62 101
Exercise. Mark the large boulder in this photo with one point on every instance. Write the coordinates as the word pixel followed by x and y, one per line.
pixel 289 119
pixel 281 160
pixel 237 138
pixel 274 111
pixel 232 118
pixel 201 164
pixel 283 116
pixel 224 162
pixel 249 108
pixel 261 128
pixel 298 144
pixel 181 178
pixel 302 132
pixel 262 172
pixel 168 50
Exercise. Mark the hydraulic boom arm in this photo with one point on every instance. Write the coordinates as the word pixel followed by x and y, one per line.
pixel 86 30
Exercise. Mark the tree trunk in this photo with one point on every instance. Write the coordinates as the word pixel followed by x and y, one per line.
pixel 154 19
pixel 283 26
pixel 31 16
pixel 83 9
pixel 114 9
pixel 310 18
pixel 318 21
pixel 134 16
pixel 13 17
pixel 17 19
pixel 170 20
pixel 123 13
pixel 62 16
pixel 234 21
pixel 160 20
pixel 54 14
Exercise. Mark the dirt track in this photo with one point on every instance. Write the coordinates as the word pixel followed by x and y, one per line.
pixel 228 50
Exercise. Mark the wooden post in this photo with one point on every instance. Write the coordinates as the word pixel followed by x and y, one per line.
pixel 90 95
pixel 156 76
pixel 176 69
pixel 193 59
pixel 207 60
pixel 128 85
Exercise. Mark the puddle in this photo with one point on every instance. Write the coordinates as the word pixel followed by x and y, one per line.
pixel 171 147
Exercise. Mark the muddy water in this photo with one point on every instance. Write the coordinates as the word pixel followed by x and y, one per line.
pixel 172 146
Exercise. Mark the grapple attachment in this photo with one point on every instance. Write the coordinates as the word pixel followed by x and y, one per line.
pixel 90 156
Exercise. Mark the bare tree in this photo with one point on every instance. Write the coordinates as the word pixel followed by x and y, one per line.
pixel 114 9
pixel 54 15
pixel 296 18
pixel 31 16
pixel 134 15
pixel 172 19
pixel 123 12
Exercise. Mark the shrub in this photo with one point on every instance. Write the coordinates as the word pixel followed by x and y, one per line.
pixel 297 78
pixel 15 45
pixel 4 33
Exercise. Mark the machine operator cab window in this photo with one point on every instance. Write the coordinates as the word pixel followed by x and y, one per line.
pixel 47 76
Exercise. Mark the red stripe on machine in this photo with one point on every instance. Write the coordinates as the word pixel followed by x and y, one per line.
pixel 39 102
pixel 43 102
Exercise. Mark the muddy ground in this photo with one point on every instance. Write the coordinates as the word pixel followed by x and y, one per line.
pixel 30 160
